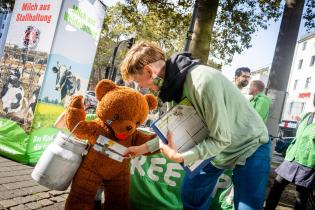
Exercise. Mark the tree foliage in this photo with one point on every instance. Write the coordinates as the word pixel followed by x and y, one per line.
pixel 234 24
pixel 309 15
pixel 124 21
pixel 164 23
pixel 167 21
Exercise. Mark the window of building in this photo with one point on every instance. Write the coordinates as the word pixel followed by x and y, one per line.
pixel 300 64
pixel 2 26
pixel 5 16
pixel 308 82
pixel 0 35
pixel 295 84
pixel 302 107
pixel 312 60
pixel 290 108
pixel 304 45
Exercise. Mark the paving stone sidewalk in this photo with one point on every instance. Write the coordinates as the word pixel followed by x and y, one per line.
pixel 18 191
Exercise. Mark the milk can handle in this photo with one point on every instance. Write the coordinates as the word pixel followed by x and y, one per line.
pixel 75 127
pixel 71 133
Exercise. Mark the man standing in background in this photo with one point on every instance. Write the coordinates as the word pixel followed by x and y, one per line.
pixel 242 77
pixel 260 101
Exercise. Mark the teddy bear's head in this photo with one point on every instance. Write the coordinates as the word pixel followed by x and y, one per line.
pixel 122 108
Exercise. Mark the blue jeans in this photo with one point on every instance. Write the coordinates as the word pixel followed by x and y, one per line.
pixel 249 180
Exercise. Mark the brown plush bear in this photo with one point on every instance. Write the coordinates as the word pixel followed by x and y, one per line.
pixel 120 110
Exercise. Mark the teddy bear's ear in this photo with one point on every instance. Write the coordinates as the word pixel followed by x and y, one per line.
pixel 103 87
pixel 152 101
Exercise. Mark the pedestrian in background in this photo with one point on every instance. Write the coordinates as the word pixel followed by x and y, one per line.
pixel 298 166
pixel 259 101
pixel 233 141
pixel 242 77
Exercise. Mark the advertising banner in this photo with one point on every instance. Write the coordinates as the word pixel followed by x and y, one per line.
pixel 69 66
pixel 24 60
pixel 48 57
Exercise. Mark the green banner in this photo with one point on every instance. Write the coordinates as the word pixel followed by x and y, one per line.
pixel 156 181
pixel 13 140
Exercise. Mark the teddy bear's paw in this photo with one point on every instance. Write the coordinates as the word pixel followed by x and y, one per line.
pixel 77 102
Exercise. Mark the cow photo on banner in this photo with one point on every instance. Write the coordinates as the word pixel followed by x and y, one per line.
pixel 43 65
pixel 22 70
pixel 66 82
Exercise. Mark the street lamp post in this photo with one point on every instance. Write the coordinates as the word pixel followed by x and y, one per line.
pixel 191 27
pixel 111 71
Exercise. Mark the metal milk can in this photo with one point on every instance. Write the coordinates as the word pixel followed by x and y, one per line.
pixel 59 162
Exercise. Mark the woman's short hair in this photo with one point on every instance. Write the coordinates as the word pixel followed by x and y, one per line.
pixel 141 54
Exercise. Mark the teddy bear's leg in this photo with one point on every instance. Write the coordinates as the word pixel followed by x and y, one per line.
pixel 117 193
pixel 83 188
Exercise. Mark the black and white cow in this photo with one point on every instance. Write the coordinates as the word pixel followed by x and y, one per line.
pixel 12 94
pixel 66 82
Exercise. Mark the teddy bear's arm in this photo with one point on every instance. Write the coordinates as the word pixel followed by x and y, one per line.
pixel 75 121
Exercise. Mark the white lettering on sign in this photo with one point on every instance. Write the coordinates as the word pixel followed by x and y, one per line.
pixel 170 172
pixel 137 163
pixel 172 169
pixel 45 138
pixel 224 181
pixel 154 167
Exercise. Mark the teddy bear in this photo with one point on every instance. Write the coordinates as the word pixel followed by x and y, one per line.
pixel 120 111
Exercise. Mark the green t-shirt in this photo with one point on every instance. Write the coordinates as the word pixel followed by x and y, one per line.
pixel 261 104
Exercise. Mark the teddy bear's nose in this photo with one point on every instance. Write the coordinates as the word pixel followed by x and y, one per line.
pixel 129 127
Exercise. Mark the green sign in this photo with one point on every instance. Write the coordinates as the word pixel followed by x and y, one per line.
pixel 156 181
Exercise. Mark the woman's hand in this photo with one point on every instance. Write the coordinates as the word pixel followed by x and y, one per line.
pixel 135 151
pixel 169 150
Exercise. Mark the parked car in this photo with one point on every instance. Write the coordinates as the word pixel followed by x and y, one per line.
pixel 287 131
pixel 90 102
pixel 288 128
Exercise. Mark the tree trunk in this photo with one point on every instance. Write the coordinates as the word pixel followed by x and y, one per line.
pixel 206 13
pixel 282 61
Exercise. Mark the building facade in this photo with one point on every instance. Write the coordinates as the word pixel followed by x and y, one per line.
pixel 261 74
pixel 301 87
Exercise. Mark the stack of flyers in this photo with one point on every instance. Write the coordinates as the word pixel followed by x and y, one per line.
pixel 110 148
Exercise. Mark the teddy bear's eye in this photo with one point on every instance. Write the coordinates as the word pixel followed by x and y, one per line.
pixel 116 117
pixel 138 123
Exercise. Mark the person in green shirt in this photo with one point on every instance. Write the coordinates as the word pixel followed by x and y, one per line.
pixel 298 166
pixel 260 101
pixel 237 137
